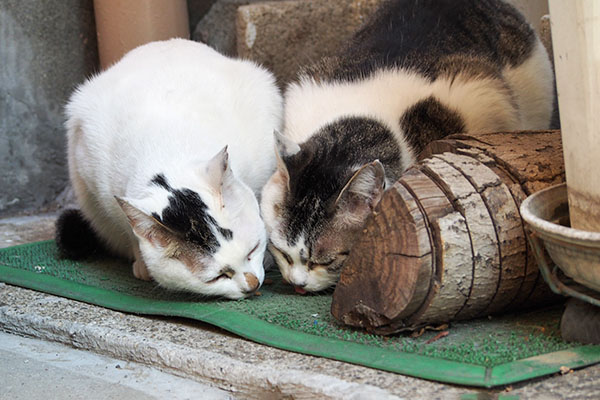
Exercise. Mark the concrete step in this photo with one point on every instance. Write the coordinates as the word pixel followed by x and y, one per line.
pixel 202 354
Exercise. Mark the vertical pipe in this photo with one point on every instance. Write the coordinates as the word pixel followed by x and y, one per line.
pixel 576 41
pixel 122 25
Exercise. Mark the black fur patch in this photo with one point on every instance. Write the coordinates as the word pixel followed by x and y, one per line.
pixel 186 215
pixel 226 233
pixel 429 120
pixel 160 180
pixel 433 37
pixel 324 165
pixel 75 238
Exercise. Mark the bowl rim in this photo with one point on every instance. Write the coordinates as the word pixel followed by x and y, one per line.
pixel 555 231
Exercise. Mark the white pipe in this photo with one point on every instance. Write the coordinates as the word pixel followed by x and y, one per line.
pixel 576 42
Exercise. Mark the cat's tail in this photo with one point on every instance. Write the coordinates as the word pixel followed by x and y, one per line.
pixel 75 238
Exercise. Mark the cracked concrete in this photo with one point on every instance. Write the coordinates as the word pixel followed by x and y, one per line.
pixel 199 352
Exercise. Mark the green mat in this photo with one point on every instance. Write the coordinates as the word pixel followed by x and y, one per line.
pixel 485 352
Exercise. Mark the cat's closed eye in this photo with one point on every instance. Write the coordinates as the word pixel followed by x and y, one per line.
pixel 286 256
pixel 249 256
pixel 314 264
pixel 226 273
pixel 325 262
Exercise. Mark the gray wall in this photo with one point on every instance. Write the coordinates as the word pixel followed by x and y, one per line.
pixel 46 48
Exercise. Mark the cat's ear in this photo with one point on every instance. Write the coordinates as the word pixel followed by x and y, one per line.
pixel 217 169
pixel 219 174
pixel 143 225
pixel 361 194
pixel 284 147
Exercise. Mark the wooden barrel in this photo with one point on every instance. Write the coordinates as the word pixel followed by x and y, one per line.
pixel 447 241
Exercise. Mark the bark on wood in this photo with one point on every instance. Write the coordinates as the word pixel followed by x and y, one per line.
pixel 533 158
pixel 483 246
pixel 508 227
pixel 526 162
pixel 449 291
pixel 467 256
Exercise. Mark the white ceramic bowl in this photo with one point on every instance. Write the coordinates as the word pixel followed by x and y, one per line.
pixel 575 252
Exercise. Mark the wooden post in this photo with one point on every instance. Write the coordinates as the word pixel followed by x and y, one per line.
pixel 122 25
pixel 576 43
pixel 447 242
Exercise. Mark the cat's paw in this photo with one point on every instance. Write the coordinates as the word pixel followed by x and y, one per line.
pixel 140 270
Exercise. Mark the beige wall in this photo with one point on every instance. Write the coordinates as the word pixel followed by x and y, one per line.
pixel 532 9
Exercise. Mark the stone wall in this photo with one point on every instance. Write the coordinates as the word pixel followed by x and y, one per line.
pixel 47 47
pixel 284 36
pixel 281 35
pixel 217 27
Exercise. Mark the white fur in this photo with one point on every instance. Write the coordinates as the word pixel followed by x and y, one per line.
pixel 272 195
pixel 533 86
pixel 485 103
pixel 168 107
pixel 292 273
pixel 296 273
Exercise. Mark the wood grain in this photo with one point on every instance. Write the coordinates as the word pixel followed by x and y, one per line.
pixel 447 241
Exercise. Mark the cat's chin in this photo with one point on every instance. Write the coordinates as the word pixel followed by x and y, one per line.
pixel 205 291
pixel 324 290
pixel 319 286
pixel 238 296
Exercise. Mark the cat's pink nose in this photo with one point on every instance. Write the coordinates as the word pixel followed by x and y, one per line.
pixel 252 282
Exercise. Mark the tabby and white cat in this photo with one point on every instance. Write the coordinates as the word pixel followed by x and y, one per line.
pixel 417 71
pixel 152 175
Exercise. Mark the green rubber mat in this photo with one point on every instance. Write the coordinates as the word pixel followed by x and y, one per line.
pixel 485 352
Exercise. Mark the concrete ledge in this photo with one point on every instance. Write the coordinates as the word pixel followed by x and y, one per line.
pixel 250 380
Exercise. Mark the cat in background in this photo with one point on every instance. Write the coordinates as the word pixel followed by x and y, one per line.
pixel 166 156
pixel 419 70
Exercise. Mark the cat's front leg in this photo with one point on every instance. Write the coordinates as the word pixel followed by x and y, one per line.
pixel 140 270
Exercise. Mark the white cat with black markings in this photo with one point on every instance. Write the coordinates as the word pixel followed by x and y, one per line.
pixel 419 70
pixel 152 174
